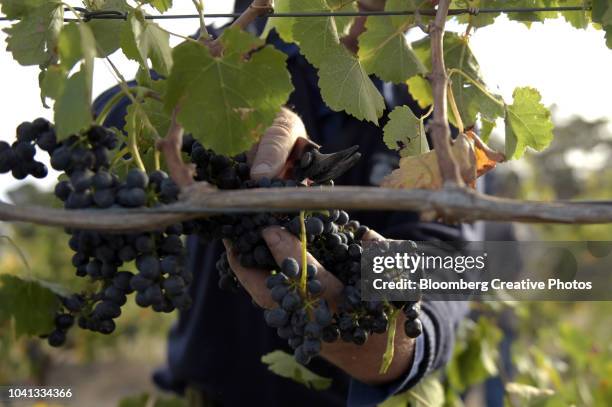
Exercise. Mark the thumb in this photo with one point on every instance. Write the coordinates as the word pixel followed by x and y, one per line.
pixel 276 144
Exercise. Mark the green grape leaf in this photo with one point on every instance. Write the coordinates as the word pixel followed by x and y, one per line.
pixel 342 22
pixel 428 393
pixel 578 19
pixel 32 40
pixel 142 40
pixel 481 19
pixel 227 102
pixel 161 5
pixel 345 84
pixel 528 123
pixel 30 304
pixel 283 26
pixel 529 17
pixel 14 9
pixel 52 81
pixel 384 41
pixel 285 365
pixel 487 129
pixel 471 96
pixel 152 109
pixel 420 90
pixel 602 14
pixel 474 356
pixel 108 32
pixel 76 42
pixel 405 132
pixel 73 107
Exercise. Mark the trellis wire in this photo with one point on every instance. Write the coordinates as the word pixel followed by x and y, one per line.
pixel 118 15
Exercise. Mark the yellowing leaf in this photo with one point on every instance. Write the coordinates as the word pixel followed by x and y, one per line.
pixel 422 171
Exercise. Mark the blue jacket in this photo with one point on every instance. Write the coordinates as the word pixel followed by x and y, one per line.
pixel 218 344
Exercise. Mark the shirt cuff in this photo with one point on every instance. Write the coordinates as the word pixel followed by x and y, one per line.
pixel 364 395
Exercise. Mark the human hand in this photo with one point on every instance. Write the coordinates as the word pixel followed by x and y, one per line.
pixel 359 361
pixel 268 157
pixel 282 245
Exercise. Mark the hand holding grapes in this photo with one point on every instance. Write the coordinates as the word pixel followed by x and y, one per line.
pixel 284 245
pixel 359 361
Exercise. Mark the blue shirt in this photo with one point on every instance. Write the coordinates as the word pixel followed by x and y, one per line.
pixel 217 345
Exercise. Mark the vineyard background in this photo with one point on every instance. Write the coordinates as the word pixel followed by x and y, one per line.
pixel 102 370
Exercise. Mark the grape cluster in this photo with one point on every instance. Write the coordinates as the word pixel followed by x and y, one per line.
pixel 18 158
pixel 161 281
pixel 88 182
pixel 302 319
pixel 333 239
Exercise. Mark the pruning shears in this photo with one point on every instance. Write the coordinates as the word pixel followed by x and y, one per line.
pixel 306 162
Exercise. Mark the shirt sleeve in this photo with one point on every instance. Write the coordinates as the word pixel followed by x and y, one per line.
pixel 362 394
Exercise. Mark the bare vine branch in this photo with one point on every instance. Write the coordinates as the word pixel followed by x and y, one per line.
pixel 456 203
pixel 440 130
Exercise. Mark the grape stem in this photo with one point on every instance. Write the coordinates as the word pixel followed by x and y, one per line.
pixel 387 358
pixel 199 5
pixel 303 241
pixel 455 109
pixel 133 145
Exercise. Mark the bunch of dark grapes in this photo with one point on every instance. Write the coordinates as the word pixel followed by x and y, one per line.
pixel 161 281
pixel 333 239
pixel 301 318
pixel 18 158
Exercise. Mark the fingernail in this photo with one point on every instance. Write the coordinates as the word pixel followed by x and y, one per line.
pixel 261 169
pixel 272 236
pixel 227 244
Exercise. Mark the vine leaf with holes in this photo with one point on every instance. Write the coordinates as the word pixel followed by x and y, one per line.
pixel 405 132
pixel 142 40
pixel 228 101
pixel 32 40
pixel 422 171
pixel 384 41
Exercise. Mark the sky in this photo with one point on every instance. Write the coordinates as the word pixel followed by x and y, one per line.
pixel 570 67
